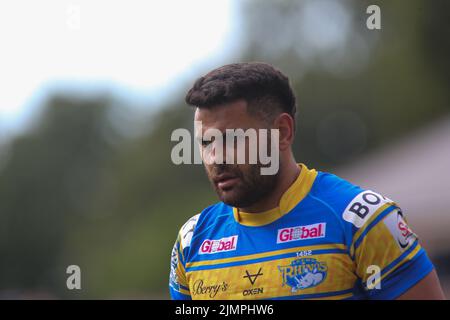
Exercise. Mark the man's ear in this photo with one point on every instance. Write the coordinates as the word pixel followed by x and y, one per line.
pixel 285 124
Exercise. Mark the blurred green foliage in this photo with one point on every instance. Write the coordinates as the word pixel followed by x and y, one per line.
pixel 74 190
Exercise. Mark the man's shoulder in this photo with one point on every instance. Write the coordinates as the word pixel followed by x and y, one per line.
pixel 207 218
pixel 352 203
pixel 187 231
pixel 334 191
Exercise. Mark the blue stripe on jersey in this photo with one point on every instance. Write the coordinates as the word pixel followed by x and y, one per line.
pixel 370 226
pixel 403 278
pixel 275 257
pixel 176 295
pixel 400 258
pixel 183 287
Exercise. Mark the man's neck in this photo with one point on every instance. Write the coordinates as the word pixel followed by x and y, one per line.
pixel 287 177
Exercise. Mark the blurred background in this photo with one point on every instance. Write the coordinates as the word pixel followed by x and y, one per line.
pixel 90 92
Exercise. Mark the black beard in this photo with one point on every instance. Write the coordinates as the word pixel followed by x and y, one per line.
pixel 252 187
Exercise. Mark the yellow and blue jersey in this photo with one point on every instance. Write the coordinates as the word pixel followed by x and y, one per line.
pixel 327 239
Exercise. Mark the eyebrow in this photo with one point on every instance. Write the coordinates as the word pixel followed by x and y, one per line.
pixel 224 134
pixel 201 137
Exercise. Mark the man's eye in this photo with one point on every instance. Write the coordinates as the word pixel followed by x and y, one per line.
pixel 205 143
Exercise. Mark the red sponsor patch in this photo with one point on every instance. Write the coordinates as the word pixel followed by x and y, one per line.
pixel 311 231
pixel 219 245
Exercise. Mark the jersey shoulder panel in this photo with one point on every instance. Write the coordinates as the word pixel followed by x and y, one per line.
pixel 355 205
pixel 199 222
pixel 187 231
pixel 388 258
pixel 201 225
pixel 334 191
pixel 333 194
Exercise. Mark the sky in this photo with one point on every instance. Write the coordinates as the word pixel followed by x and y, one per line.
pixel 139 47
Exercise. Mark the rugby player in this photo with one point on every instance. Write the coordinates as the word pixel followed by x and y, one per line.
pixel 296 234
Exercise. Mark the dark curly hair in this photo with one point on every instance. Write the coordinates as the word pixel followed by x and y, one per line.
pixel 265 89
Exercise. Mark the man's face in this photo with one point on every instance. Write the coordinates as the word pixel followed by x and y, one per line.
pixel 238 185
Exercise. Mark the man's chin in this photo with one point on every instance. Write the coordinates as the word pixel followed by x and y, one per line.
pixel 232 199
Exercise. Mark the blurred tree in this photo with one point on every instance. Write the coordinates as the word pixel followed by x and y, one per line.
pixel 435 38
pixel 49 179
pixel 139 209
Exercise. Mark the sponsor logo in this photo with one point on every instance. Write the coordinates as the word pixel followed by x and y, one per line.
pixel 220 245
pixel 405 232
pixel 252 278
pixel 311 231
pixel 303 273
pixel 200 288
pixel 399 229
pixel 252 292
pixel 363 206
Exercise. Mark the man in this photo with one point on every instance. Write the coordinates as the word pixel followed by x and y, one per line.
pixel 295 234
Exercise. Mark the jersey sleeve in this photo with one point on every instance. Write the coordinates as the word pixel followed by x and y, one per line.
pixel 389 259
pixel 178 285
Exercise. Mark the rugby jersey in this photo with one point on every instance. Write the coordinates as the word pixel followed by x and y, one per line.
pixel 327 239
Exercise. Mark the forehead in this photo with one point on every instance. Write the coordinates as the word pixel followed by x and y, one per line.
pixel 231 115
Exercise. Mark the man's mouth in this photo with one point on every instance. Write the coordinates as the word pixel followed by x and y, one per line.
pixel 225 181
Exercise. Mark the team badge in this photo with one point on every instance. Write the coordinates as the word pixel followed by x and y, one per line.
pixel 303 273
